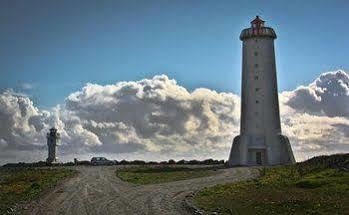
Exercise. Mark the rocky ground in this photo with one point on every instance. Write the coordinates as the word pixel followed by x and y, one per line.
pixel 97 190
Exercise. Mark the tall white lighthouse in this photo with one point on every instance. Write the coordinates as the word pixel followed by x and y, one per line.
pixel 260 141
pixel 52 142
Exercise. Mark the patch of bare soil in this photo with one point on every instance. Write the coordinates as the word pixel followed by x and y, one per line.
pixel 97 190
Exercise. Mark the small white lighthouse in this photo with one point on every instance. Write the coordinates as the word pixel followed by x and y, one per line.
pixel 260 141
pixel 52 142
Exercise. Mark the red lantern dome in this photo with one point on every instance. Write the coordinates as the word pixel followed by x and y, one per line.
pixel 257 22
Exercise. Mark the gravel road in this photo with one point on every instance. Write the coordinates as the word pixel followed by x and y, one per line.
pixel 97 190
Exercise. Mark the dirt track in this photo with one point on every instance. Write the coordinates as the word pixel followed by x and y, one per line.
pixel 97 190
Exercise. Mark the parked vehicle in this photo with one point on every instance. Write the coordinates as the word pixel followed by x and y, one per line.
pixel 101 161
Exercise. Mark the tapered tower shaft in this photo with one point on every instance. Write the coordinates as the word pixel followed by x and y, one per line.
pixel 52 142
pixel 260 140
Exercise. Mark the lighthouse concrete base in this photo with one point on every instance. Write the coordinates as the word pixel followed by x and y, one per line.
pixel 245 151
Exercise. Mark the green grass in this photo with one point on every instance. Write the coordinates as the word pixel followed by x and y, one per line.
pixel 22 184
pixel 310 187
pixel 155 175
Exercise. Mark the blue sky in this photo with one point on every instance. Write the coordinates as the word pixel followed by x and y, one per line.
pixel 57 47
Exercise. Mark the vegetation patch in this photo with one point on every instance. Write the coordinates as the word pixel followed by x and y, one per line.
pixel 22 184
pixel 162 174
pixel 317 186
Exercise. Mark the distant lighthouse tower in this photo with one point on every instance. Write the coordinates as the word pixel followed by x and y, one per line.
pixel 52 142
pixel 260 141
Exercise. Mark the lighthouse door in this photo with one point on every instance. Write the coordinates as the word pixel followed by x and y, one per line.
pixel 259 158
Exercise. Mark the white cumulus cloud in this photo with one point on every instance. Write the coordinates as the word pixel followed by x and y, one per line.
pixel 327 95
pixel 158 119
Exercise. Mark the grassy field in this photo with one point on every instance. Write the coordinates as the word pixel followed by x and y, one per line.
pixel 21 184
pixel 317 186
pixel 155 175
